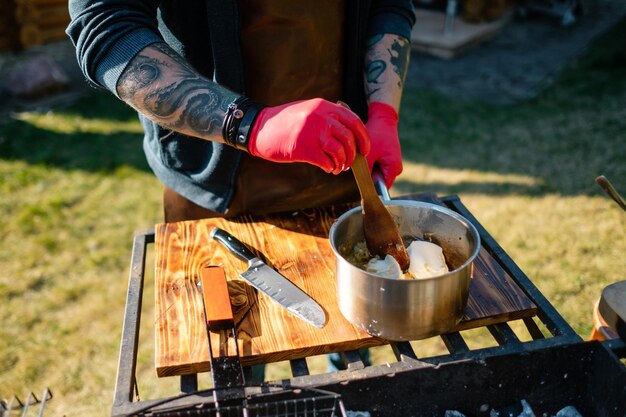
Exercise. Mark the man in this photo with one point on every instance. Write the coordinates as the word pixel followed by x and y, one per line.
pixel 239 99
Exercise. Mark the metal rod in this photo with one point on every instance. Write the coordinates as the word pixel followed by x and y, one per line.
pixel 352 359
pixel 189 383
pixel 403 350
pixel 126 380
pixel 533 329
pixel 47 395
pixel 28 403
pixel 248 374
pixel 9 408
pixel 503 334
pixel 299 367
pixel 454 342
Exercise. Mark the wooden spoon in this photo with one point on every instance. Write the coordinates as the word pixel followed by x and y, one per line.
pixel 381 232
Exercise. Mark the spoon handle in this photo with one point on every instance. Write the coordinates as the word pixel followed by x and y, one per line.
pixel 363 178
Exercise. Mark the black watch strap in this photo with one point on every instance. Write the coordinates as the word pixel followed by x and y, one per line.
pixel 240 117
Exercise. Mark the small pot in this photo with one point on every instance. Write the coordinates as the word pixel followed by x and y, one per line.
pixel 406 309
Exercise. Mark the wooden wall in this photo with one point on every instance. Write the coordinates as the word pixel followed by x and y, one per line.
pixel 28 23
pixel 9 36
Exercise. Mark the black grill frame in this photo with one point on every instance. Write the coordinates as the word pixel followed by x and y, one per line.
pixel 357 377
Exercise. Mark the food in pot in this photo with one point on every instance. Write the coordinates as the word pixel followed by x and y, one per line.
pixel 388 267
pixel 427 260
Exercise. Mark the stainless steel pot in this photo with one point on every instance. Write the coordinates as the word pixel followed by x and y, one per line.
pixel 406 309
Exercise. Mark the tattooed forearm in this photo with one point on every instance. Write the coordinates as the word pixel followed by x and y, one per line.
pixel 386 65
pixel 162 86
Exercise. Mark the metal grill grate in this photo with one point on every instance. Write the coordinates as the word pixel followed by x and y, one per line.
pixel 359 384
pixel 15 406
pixel 280 403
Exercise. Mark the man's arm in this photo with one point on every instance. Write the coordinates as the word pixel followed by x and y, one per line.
pixel 161 85
pixel 386 65
pixel 119 47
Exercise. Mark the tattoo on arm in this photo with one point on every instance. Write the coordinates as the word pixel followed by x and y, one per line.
pixel 375 69
pixel 386 65
pixel 161 85
pixel 399 56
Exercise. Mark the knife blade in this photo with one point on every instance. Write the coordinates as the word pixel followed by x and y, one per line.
pixel 270 282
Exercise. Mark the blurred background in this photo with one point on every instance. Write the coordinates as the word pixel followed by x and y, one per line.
pixel 514 106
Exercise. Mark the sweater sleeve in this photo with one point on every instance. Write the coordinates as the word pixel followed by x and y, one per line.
pixel 391 17
pixel 107 34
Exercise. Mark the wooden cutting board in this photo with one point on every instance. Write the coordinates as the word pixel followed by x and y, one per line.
pixel 296 245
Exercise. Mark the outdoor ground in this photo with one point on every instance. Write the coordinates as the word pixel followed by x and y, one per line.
pixel 74 186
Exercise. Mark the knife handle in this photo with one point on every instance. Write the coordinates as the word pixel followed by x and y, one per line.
pixel 233 244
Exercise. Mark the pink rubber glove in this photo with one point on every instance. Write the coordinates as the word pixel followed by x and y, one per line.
pixel 315 131
pixel 382 126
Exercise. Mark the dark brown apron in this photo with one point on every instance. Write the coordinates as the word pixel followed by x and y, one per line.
pixel 291 51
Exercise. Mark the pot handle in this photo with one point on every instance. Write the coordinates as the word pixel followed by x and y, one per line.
pixel 379 184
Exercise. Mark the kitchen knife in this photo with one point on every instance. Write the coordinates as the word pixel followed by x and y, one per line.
pixel 271 283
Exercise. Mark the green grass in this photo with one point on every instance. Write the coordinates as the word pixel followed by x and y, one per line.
pixel 74 187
